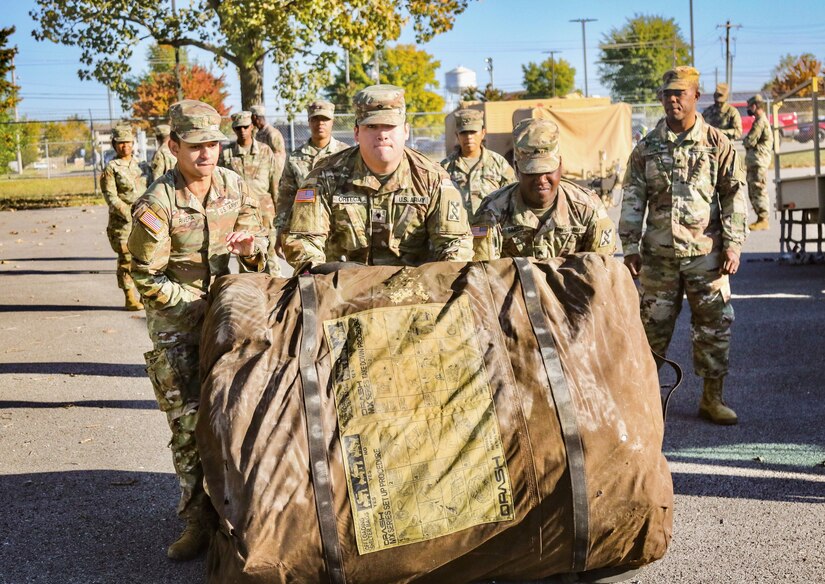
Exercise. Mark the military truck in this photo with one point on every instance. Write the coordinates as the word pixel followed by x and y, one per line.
pixel 595 135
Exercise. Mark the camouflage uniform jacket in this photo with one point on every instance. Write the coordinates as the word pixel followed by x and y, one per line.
pixel 693 192
pixel 162 162
pixel 178 246
pixel 505 226
pixel 122 183
pixel 725 118
pixel 490 173
pixel 759 143
pixel 273 138
pixel 343 211
pixel 298 165
pixel 257 167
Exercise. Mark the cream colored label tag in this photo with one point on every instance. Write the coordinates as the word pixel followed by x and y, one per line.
pixel 419 433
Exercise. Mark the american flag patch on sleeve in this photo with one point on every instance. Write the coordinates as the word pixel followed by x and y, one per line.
pixel 305 196
pixel 151 221
pixel 480 231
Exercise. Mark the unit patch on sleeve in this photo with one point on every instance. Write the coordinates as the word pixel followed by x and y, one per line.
pixel 606 238
pixel 480 231
pixel 454 211
pixel 151 221
pixel 305 196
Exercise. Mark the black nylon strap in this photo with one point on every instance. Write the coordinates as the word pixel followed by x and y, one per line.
pixel 319 462
pixel 561 400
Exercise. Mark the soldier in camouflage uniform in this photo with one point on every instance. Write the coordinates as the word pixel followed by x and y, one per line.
pixel 722 115
pixel 686 176
pixel 378 203
pixel 185 228
pixel 542 215
pixel 758 151
pixel 475 170
pixel 270 136
pixel 321 144
pixel 163 160
pixel 256 164
pixel 123 181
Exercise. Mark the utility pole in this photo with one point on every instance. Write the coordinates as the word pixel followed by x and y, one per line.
pixel 111 118
pixel 16 119
pixel 94 143
pixel 692 53
pixel 728 56
pixel 584 49
pixel 177 61
pixel 346 67
pixel 553 68
pixel 489 62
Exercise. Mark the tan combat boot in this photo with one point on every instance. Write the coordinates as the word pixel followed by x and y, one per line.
pixel 190 544
pixel 712 408
pixel 133 300
pixel 760 225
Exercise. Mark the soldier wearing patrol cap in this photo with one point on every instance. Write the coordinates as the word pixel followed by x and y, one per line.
pixel 723 115
pixel 320 115
pixel 378 202
pixel 475 170
pixel 122 182
pixel 163 160
pixel 185 228
pixel 683 224
pixel 256 164
pixel 270 136
pixel 542 215
pixel 758 152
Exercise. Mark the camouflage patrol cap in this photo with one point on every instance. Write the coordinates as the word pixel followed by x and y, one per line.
pixel 536 146
pixel 162 130
pixel 322 108
pixel 258 110
pixel 380 104
pixel 680 78
pixel 721 90
pixel 468 120
pixel 241 119
pixel 756 99
pixel 122 134
pixel 195 122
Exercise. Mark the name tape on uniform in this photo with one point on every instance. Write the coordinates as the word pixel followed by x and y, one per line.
pixel 305 196
pixel 349 200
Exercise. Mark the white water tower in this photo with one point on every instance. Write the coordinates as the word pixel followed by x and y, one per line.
pixel 460 79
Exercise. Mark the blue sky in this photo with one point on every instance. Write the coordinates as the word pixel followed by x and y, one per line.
pixel 511 32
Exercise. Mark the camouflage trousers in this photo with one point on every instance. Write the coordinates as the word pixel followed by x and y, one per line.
pixel 757 176
pixel 172 367
pixel 118 231
pixel 664 281
pixel 273 267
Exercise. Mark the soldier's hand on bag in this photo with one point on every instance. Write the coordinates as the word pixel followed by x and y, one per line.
pixel 730 261
pixel 634 264
pixel 240 243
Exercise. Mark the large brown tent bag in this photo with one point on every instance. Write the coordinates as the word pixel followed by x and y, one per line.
pixel 446 423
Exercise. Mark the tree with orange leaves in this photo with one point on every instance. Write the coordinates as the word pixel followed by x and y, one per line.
pixel 793 71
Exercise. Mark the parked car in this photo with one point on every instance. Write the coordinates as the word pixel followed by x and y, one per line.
pixel 806 131
pixel 788 122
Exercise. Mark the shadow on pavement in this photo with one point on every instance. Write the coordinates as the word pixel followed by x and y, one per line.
pixel 789 489
pixel 55 308
pixel 101 526
pixel 59 259
pixel 122 404
pixel 51 272
pixel 79 368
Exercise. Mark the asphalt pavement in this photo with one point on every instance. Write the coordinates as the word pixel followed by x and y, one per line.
pixel 86 480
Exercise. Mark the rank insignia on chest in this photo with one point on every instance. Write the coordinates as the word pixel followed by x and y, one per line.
pixel 379 216
pixel 305 196
pixel 151 221
pixel 454 211
pixel 480 231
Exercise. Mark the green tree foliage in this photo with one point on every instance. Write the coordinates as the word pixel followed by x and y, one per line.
pixel 67 138
pixel 402 65
pixel 490 93
pixel 792 71
pixel 635 56
pixel 297 36
pixel 538 78
pixel 8 99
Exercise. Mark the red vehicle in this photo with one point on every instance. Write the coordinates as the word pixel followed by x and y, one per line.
pixel 788 123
